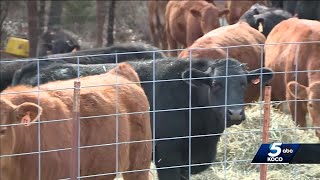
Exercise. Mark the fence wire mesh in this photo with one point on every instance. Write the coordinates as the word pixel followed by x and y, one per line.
pixel 236 148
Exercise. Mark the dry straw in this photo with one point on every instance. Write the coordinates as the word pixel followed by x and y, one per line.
pixel 243 141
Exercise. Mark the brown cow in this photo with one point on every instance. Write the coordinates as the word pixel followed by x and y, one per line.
pixel 292 57
pixel 238 8
pixel 186 21
pixel 157 9
pixel 233 35
pixel 94 130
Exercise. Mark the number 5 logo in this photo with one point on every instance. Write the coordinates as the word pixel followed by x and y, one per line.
pixel 275 149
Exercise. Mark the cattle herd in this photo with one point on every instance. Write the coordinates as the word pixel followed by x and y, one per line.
pixel 176 104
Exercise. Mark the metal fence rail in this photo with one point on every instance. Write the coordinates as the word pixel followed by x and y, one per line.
pixel 76 160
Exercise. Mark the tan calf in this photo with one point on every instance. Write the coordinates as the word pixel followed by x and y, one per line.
pixel 292 57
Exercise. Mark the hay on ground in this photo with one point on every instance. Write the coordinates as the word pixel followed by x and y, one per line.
pixel 242 142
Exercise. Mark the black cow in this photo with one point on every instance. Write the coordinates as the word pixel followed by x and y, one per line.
pixel 125 52
pixel 56 41
pixel 302 9
pixel 8 69
pixel 171 104
pixel 268 17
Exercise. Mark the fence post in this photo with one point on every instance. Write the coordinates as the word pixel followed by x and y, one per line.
pixel 75 131
pixel 265 131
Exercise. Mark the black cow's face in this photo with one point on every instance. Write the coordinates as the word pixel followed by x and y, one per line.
pixel 56 42
pixel 227 93
pixel 264 18
pixel 267 21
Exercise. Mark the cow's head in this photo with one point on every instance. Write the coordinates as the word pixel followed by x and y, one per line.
pixel 312 95
pixel 229 96
pixel 24 113
pixel 266 21
pixel 64 46
pixel 56 41
pixel 209 17
pixel 264 18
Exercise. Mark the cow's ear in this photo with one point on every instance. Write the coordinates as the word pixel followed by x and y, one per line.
pixel 224 11
pixel 27 112
pixel 254 76
pixel 196 74
pixel 302 91
pixel 195 13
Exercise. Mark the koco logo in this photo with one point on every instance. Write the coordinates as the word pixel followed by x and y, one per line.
pixel 275 150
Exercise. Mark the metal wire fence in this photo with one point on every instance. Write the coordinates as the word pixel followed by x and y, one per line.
pixel 223 139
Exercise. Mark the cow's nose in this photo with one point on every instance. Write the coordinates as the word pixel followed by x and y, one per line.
pixel 235 114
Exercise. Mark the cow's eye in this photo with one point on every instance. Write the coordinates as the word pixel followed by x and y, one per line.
pixel 310 105
pixel 2 131
pixel 216 86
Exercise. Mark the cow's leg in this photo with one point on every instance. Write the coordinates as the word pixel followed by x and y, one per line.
pixel 107 177
pixel 143 175
pixel 169 174
pixel 168 155
pixel 193 30
pixel 152 21
pixel 184 173
pixel 140 159
pixel 172 44
pixel 164 44
pixel 301 112
pixel 156 38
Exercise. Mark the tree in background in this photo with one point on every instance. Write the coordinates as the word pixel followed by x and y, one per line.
pixel 32 27
pixel 100 19
pixel 42 13
pixel 77 14
pixel 4 6
pixel 55 14
pixel 110 38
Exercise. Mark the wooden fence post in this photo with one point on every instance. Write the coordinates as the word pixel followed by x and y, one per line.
pixel 75 132
pixel 265 131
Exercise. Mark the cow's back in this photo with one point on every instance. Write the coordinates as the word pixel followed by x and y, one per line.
pixel 123 100
pixel 240 34
pixel 246 50
pixel 97 126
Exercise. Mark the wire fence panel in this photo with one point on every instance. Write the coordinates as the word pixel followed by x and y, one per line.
pixel 182 119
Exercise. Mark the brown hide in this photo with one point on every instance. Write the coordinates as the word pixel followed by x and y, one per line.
pixel 233 35
pixel 238 8
pixel 292 57
pixel 186 21
pixel 94 101
pixel 156 17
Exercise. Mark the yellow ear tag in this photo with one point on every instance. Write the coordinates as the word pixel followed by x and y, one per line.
pixel 260 28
